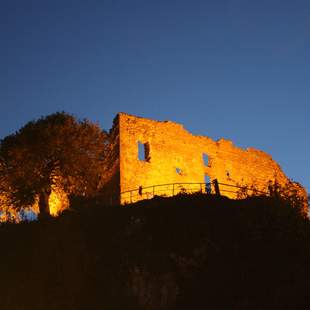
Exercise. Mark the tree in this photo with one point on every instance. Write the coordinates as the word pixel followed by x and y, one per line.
pixel 56 147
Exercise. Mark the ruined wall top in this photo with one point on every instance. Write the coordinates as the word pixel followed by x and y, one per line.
pixel 164 152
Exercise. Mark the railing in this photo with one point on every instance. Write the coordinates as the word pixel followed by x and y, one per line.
pixel 172 189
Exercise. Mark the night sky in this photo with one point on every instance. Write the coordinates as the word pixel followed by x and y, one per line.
pixel 234 69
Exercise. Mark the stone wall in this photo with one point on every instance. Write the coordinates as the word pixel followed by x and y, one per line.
pixel 173 155
pixel 110 187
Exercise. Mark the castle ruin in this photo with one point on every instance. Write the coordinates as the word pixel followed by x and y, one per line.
pixel 148 158
pixel 144 153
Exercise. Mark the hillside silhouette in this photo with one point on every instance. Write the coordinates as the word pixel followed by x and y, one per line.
pixel 184 252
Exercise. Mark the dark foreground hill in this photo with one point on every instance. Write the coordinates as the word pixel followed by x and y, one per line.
pixel 186 252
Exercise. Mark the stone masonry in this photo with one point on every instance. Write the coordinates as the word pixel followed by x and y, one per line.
pixel 170 154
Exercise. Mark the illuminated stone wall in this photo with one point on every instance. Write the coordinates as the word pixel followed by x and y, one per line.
pixel 173 160
pixel 173 155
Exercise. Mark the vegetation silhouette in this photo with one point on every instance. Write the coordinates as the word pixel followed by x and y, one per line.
pixel 193 251
pixel 184 252
pixel 56 147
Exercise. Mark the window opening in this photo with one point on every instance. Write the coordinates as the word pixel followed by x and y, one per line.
pixel 205 159
pixel 207 184
pixel 143 151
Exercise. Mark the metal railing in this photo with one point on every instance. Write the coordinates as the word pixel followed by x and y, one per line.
pixel 172 189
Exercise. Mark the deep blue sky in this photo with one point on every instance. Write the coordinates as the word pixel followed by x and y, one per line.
pixel 234 69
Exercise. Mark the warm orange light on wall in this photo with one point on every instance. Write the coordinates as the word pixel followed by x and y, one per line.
pixel 58 200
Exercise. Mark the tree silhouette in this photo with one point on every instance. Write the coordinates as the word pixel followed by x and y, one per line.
pixel 56 147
